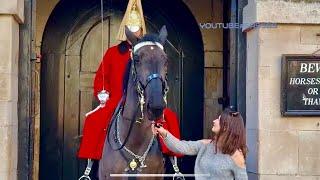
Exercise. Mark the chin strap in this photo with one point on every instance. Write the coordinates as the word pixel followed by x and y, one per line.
pixel 87 171
pixel 177 173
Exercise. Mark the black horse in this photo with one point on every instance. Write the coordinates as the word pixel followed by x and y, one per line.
pixel 131 147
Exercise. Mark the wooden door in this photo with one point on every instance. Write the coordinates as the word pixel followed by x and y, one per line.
pixel 71 52
pixel 80 68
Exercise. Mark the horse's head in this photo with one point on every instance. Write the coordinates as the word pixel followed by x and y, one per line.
pixel 149 71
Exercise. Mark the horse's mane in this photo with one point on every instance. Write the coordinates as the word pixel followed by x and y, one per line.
pixel 126 76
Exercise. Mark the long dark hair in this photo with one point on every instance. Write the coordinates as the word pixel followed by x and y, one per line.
pixel 232 135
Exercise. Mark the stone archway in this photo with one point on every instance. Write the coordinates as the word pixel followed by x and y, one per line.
pixel 70 50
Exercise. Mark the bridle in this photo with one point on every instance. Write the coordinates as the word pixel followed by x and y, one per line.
pixel 140 88
pixel 140 85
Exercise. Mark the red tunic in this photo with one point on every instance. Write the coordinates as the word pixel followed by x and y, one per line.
pixel 95 126
pixel 94 131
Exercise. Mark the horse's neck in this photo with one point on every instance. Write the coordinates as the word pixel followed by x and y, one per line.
pixel 140 135
pixel 141 132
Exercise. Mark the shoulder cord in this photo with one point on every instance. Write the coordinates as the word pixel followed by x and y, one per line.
pixel 102 44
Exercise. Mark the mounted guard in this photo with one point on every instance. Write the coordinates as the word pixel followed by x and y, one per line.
pixel 109 88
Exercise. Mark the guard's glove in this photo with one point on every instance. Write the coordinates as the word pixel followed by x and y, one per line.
pixel 103 97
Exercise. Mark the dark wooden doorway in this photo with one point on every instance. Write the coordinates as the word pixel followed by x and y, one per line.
pixel 71 52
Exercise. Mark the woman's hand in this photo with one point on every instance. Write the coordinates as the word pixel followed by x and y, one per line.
pixel 159 130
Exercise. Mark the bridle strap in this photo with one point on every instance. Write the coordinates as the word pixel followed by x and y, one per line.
pixel 146 43
pixel 151 77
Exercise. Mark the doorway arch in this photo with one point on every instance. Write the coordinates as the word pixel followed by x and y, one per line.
pixel 69 61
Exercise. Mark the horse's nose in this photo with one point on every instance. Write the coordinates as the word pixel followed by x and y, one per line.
pixel 156 108
pixel 155 99
pixel 156 103
pixel 157 112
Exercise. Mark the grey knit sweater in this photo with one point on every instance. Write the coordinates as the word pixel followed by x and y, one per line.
pixel 209 165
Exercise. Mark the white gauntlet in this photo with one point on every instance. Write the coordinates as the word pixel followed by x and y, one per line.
pixel 103 96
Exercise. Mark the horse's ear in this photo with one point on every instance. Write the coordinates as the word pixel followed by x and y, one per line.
pixel 163 35
pixel 130 36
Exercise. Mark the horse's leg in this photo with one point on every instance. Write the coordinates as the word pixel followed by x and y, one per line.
pixel 101 171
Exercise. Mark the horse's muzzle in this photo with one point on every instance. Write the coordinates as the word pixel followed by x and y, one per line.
pixel 155 112
pixel 155 101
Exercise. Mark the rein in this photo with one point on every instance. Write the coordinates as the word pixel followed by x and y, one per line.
pixel 114 118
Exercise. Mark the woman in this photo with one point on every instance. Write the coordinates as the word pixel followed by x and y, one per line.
pixel 221 158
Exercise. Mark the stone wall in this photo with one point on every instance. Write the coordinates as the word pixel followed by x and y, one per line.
pixel 204 12
pixel 279 147
pixel 14 8
pixel 10 14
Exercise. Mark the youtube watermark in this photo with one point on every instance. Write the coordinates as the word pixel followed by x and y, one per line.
pixel 212 25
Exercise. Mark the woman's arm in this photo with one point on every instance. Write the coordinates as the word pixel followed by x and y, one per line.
pixel 239 166
pixel 177 146
pixel 240 173
pixel 182 147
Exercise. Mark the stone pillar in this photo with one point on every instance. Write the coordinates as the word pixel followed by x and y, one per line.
pixel 11 14
pixel 280 148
